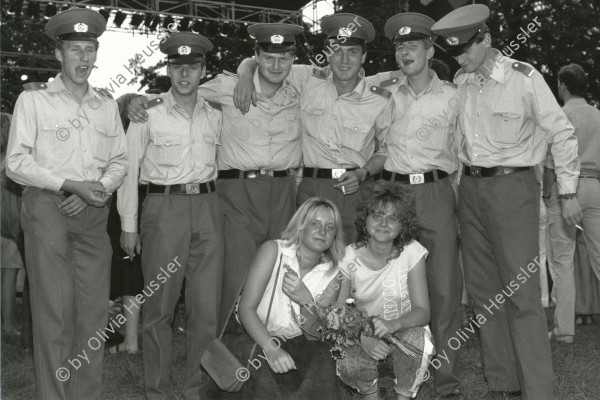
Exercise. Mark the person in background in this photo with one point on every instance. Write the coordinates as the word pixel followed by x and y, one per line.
pixel 385 273
pixel 572 87
pixel 67 146
pixel 509 119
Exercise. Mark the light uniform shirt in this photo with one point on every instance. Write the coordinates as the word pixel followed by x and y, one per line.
pixel 281 320
pixel 499 121
pixel 384 292
pixel 586 120
pixel 268 136
pixel 54 137
pixel 422 134
pixel 169 149
pixel 340 131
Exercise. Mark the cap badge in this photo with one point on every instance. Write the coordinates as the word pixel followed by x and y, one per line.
pixel 80 27
pixel 452 40
pixel 405 30
pixel 345 32
pixel 184 50
pixel 276 39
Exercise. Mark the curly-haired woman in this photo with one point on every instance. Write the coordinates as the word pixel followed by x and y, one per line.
pixel 385 274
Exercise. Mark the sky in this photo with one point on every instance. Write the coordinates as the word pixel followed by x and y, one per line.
pixel 117 48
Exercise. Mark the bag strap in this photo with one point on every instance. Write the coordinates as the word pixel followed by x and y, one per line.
pixel 239 292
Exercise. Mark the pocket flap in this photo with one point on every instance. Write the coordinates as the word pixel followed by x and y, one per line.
pixel 167 140
pixel 356 126
pixel 105 132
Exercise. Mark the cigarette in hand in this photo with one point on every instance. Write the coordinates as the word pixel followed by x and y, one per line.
pixel 343 190
pixel 579 227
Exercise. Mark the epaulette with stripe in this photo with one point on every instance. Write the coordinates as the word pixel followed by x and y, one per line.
pixel 381 91
pixel 389 82
pixel 230 73
pixel 522 68
pixel 35 86
pixel 155 102
pixel 452 84
pixel 319 73
pixel 103 92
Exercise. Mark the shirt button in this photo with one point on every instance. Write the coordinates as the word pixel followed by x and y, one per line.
pixel 411 157
pixel 412 117
pixel 84 150
pixel 481 91
pixel 479 114
pixel 334 117
pixel 476 135
pixel 475 155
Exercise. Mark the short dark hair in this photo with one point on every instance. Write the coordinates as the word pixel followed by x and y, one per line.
pixel 401 198
pixel 574 78
pixel 60 42
pixel 258 49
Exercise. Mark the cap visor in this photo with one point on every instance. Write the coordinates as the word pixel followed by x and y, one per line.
pixel 186 60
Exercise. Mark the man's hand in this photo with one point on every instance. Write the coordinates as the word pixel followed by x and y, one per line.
pixel 350 181
pixel 375 348
pixel 571 211
pixel 136 110
pixel 295 289
pixel 72 206
pixel 244 94
pixel 93 193
pixel 131 244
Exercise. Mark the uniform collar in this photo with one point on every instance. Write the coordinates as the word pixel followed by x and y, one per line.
pixel 285 85
pixel 575 101
pixel 435 85
pixel 57 86
pixel 498 71
pixel 171 103
pixel 359 90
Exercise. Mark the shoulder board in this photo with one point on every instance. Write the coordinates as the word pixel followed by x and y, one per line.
pixel 522 68
pixel 381 91
pixel 389 82
pixel 35 86
pixel 454 85
pixel 214 105
pixel 103 92
pixel 319 73
pixel 234 75
pixel 155 102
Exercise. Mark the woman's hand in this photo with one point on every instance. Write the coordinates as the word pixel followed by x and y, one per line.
pixel 375 348
pixel 279 360
pixel 295 289
pixel 383 327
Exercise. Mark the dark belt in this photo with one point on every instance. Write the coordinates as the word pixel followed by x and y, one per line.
pixel 325 173
pixel 483 172
pixel 239 174
pixel 185 188
pixel 414 179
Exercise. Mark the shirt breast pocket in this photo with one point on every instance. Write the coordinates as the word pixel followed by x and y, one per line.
pixel 507 126
pixel 54 137
pixel 206 148
pixel 354 134
pixel 286 128
pixel 105 142
pixel 433 135
pixel 169 150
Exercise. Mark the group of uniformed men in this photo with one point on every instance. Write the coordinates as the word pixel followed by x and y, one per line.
pixel 220 176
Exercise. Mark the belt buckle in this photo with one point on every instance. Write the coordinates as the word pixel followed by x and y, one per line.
pixel 192 188
pixel 337 172
pixel 416 179
pixel 476 171
pixel 264 171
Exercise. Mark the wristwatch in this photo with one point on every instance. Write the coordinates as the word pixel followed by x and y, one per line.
pixel 567 196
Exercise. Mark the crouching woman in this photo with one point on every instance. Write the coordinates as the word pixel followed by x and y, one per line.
pixel 384 272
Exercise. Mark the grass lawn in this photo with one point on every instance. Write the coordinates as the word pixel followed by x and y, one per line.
pixel 576 370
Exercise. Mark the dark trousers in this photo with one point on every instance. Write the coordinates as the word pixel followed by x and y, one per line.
pixel 499 220
pixel 346 203
pixel 68 264
pixel 435 204
pixel 255 210
pixel 182 236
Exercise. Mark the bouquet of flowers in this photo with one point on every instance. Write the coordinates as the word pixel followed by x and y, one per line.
pixel 343 324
